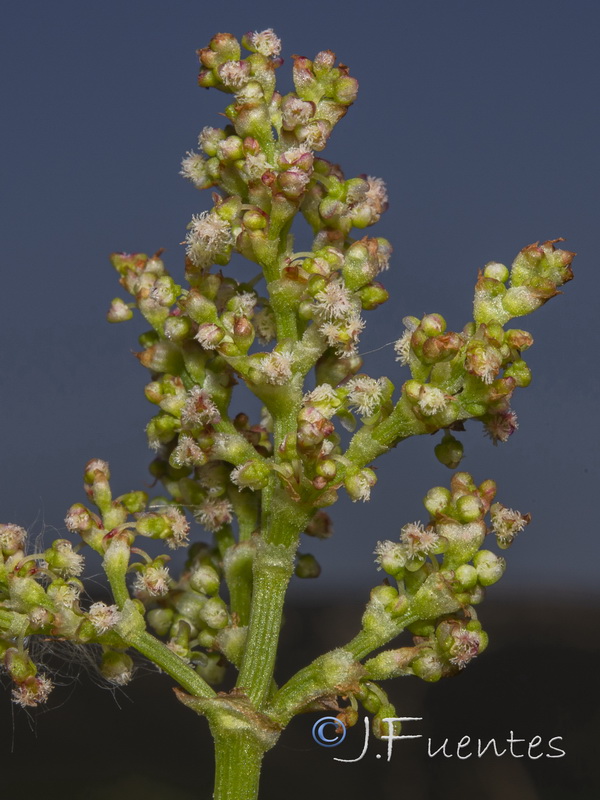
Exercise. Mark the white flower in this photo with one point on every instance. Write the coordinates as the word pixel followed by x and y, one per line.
pixel 335 301
pixel 465 647
pixel 360 484
pixel 314 134
pixel 180 527
pixel 376 195
pixel 255 166
pixel 208 236
pixel 500 427
pixel 65 595
pixel 234 74
pixel 506 522
pixel 431 400
pixel 324 393
pixel 343 334
pixel 209 335
pixel 295 112
pixel 208 136
pixel 243 304
pixel 365 394
pixel 370 199
pixel 402 347
pixel 68 562
pixel 153 581
pixel 199 409
pixel 391 556
pixel 323 397
pixel 294 154
pixel 213 514
pixel 417 540
pixel 104 617
pixel 276 368
pixel 33 691
pixel 12 537
pixel 187 453
pixel 193 167
pixel 264 325
pixel 266 42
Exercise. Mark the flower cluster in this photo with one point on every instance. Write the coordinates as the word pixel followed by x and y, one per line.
pixel 290 331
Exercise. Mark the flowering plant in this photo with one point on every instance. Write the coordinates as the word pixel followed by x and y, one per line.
pixel 259 488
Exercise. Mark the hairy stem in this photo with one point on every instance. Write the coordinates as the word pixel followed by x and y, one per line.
pixel 238 759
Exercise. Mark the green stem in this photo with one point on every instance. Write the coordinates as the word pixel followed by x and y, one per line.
pixel 370 442
pixel 146 644
pixel 171 663
pixel 238 757
pixel 272 570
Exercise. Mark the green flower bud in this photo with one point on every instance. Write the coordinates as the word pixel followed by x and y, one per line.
pixel 358 485
pixel 327 468
pixel 117 667
pixel 62 559
pixel 251 475
pixel 518 340
pixel 18 665
pixel 469 508
pixel 177 329
pixel 189 606
pixel 162 357
pixel 466 576
pixel 427 666
pixel 497 272
pixel 212 668
pixel 437 501
pixel 161 429
pixel 433 324
pixel 134 502
pixel 390 664
pixel 449 451
pixel 12 539
pixel 520 372
pixel 214 613
pixel 80 520
pixel 382 728
pixel 119 311
pixel 391 557
pixel 230 149
pixel 489 566
pixel 307 566
pixel 372 296
pixel 205 579
pixel 161 620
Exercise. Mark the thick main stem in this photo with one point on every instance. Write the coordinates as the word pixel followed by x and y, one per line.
pixel 238 759
pixel 273 568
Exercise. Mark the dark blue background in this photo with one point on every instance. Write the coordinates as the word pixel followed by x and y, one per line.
pixel 482 118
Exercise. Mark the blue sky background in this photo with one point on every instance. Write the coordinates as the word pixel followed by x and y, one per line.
pixel 482 118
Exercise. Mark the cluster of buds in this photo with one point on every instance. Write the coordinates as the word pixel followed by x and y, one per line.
pixel 474 372
pixel 441 572
pixel 40 593
pixel 440 650
pixel 188 612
